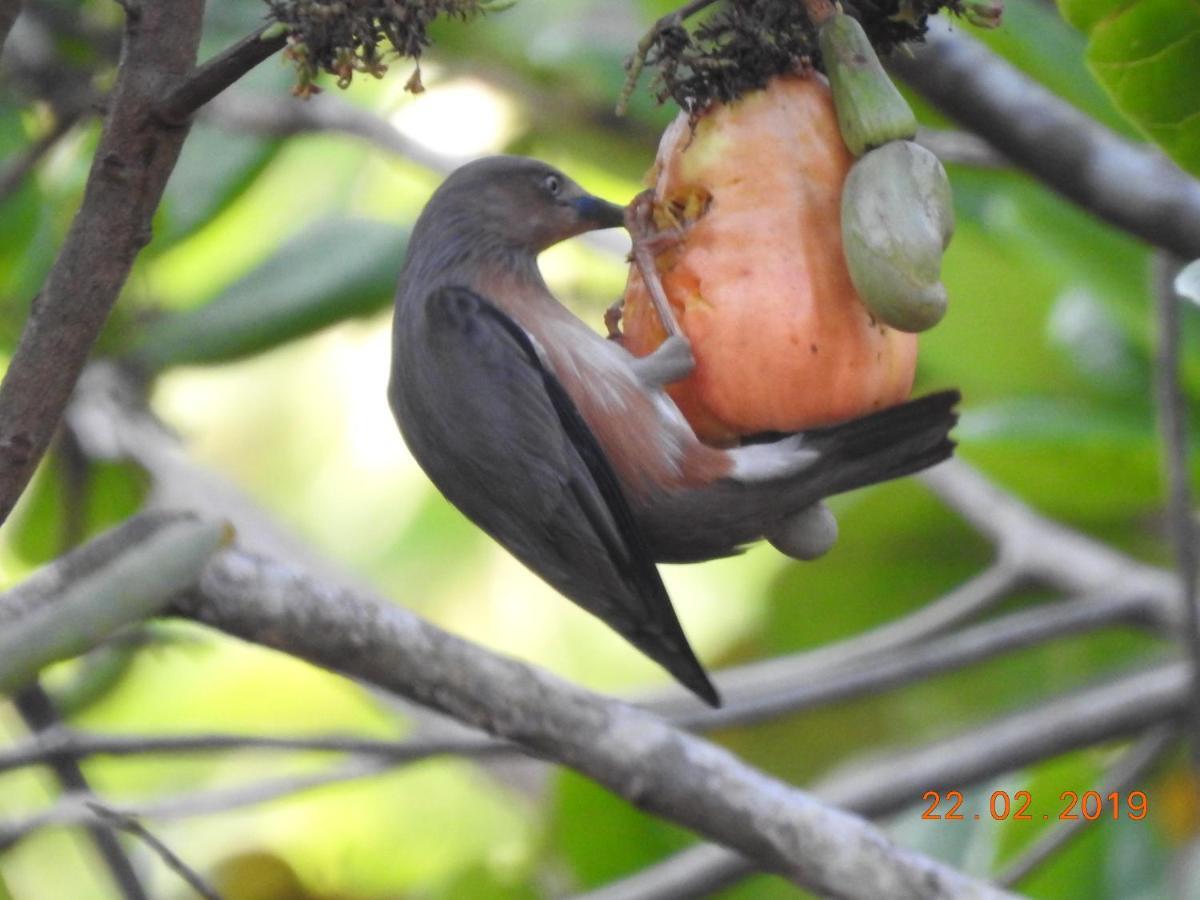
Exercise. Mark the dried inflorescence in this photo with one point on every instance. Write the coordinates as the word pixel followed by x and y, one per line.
pixel 347 36
pixel 741 46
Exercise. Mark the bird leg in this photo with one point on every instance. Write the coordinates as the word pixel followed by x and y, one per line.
pixel 672 360
pixel 647 242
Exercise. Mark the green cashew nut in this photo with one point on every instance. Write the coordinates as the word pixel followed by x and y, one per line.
pixel 897 219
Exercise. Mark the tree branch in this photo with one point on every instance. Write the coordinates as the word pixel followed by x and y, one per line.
pixel 216 74
pixel 1127 185
pixel 1043 550
pixel 125 576
pixel 18 166
pixel 1125 706
pixel 667 772
pixel 38 713
pixel 51 745
pixel 73 810
pixel 1173 427
pixel 251 113
pixel 134 158
pixel 808 689
pixel 172 861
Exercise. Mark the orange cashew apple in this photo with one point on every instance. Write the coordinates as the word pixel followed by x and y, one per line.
pixel 757 279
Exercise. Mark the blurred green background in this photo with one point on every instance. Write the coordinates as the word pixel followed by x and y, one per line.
pixel 262 300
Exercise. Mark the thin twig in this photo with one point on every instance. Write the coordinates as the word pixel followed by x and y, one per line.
pixel 218 73
pixel 132 826
pixel 967 601
pixel 18 167
pixel 37 711
pixel 1172 422
pixel 72 810
pixel 52 745
pixel 921 660
pixel 1126 774
pixel 35 706
pixel 252 113
pixel 1046 552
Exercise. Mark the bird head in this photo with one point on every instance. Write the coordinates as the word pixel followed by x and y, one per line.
pixel 523 203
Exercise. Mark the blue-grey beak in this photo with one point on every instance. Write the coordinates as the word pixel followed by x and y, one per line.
pixel 599 213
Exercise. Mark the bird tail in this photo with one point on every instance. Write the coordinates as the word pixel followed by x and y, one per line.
pixel 887 444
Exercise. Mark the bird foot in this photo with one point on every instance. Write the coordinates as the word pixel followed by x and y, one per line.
pixel 671 361
pixel 612 319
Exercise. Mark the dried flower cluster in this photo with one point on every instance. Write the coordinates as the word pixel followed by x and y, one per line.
pixel 347 36
pixel 739 47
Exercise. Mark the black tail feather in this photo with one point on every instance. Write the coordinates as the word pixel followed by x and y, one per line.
pixel 888 444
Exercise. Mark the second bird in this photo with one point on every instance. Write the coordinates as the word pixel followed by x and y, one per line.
pixel 565 448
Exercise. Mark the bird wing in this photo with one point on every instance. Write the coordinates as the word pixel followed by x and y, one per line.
pixel 503 440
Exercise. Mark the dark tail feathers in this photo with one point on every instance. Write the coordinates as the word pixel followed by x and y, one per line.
pixel 888 444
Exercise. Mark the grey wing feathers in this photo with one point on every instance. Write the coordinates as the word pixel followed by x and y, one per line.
pixel 515 455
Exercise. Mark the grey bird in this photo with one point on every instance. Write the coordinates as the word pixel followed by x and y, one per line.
pixel 564 447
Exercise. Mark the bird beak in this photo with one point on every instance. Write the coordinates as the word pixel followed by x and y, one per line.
pixel 599 213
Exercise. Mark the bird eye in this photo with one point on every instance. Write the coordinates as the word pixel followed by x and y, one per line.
pixel 553 184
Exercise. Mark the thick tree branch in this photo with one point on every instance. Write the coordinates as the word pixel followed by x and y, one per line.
pixel 132 163
pixel 635 754
pixel 886 785
pixel 1132 187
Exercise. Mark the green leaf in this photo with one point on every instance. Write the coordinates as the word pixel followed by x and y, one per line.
pixel 1146 55
pixel 333 269
pixel 214 169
